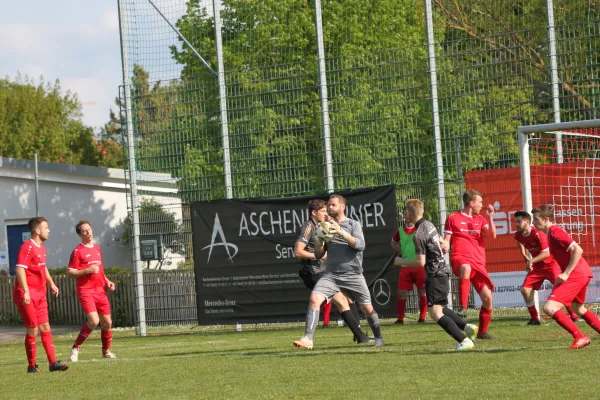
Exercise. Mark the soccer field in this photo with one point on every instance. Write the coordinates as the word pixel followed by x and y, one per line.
pixel 418 361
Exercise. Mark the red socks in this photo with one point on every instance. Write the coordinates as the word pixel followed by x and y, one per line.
pixel 485 316
pixel 326 310
pixel 401 308
pixel 30 349
pixel 464 287
pixel 423 307
pixel 83 334
pixel 106 337
pixel 565 322
pixel 592 320
pixel 533 312
pixel 572 315
pixel 48 344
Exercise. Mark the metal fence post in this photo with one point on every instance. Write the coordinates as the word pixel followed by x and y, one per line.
pixel 439 160
pixel 554 75
pixel 323 97
pixel 223 99
pixel 135 239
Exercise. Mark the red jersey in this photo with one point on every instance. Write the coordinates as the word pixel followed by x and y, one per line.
pixel 560 242
pixel 535 243
pixel 84 256
pixel 407 230
pixel 467 235
pixel 32 258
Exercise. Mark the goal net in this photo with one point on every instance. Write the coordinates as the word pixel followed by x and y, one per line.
pixel 560 165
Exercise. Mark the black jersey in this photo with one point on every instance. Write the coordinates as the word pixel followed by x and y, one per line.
pixel 308 236
pixel 427 243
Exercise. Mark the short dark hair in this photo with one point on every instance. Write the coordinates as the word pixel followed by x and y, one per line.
pixel 316 205
pixel 35 223
pixel 523 214
pixel 338 196
pixel 469 196
pixel 545 211
pixel 79 224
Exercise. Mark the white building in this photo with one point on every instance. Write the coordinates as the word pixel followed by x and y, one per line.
pixel 67 194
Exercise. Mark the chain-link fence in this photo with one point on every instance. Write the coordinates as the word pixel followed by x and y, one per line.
pixel 281 120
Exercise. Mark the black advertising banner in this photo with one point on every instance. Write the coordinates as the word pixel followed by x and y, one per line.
pixel 244 261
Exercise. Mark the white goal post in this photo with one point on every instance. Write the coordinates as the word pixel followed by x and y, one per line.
pixel 560 165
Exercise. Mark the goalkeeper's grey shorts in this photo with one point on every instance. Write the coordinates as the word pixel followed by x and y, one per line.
pixel 352 284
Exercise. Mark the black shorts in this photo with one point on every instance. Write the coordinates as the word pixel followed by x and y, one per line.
pixel 437 289
pixel 310 279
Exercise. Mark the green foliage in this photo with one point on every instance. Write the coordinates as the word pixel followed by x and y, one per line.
pixel 154 219
pixel 41 118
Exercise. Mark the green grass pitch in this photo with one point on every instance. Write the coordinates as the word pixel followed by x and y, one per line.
pixel 418 361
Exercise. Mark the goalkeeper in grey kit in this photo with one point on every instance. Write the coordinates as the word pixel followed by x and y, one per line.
pixel 344 246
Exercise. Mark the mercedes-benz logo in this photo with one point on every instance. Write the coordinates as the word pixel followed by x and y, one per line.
pixel 381 292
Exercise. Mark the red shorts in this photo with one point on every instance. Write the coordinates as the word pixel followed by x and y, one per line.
pixel 535 279
pixel 573 289
pixel 94 302
pixel 34 313
pixel 410 276
pixel 479 276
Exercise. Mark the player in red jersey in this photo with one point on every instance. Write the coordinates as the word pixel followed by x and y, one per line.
pixel 403 244
pixel 86 266
pixel 464 231
pixel 30 294
pixel 540 265
pixel 571 285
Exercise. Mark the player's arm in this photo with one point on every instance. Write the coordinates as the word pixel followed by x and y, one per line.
pixel 301 253
pixel 490 227
pixel 542 256
pixel 524 252
pixel 445 242
pixel 22 278
pixel 396 242
pixel 50 281
pixel 576 253
pixel 74 269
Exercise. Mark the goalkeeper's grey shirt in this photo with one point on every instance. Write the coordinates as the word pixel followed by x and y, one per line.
pixel 341 257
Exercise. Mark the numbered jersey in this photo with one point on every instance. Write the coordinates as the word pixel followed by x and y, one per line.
pixel 85 256
pixel 32 258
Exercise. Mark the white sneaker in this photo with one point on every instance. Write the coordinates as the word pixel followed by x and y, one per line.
pixel 466 344
pixel 378 342
pixel 74 357
pixel 304 343
pixel 109 354
pixel 471 331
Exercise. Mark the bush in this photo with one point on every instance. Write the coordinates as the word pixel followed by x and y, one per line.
pixel 107 271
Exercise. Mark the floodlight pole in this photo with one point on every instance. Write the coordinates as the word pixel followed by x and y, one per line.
pixel 554 75
pixel 323 97
pixel 135 238
pixel 222 100
pixel 439 160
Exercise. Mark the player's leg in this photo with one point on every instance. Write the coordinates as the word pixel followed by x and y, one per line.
pixel 325 289
pixel 405 284
pixel 565 293
pixel 437 288
pixel 419 281
pixel 103 307
pixel 343 306
pixel 357 286
pixel 401 299
pixel 485 313
pixel 89 308
pixel 46 335
pixel 29 318
pixel 532 282
pixel 462 271
pixel 580 310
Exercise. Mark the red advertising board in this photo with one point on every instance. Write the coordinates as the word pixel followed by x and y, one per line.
pixel 573 188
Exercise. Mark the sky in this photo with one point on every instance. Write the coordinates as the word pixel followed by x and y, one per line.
pixel 76 42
